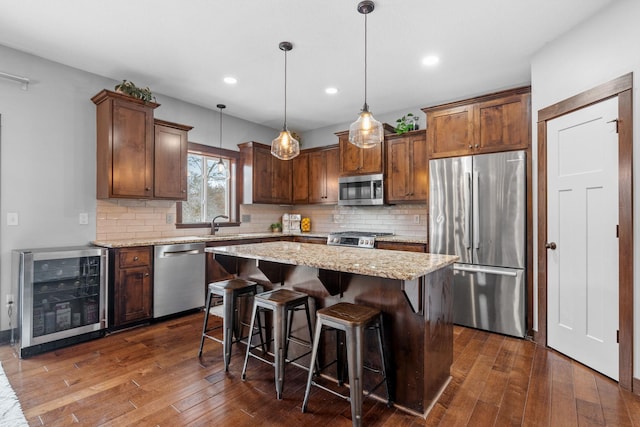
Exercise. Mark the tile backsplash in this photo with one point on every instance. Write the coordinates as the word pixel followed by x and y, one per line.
pixel 127 219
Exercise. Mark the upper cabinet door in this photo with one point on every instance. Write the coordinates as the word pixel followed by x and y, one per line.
pixel 323 175
pixel 300 180
pixel 131 151
pixel 451 131
pixel 407 169
pixel 170 161
pixel 359 161
pixel 504 123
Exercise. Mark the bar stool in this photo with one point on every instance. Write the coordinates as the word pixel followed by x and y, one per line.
pixel 230 291
pixel 283 303
pixel 353 319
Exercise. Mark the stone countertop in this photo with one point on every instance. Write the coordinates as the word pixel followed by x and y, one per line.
pixel 398 265
pixel 127 243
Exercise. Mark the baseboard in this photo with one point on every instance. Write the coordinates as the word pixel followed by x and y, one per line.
pixel 635 385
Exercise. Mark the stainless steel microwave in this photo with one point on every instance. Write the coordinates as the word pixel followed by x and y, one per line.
pixel 362 190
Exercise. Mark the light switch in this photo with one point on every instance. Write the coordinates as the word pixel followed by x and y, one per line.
pixel 12 218
pixel 83 218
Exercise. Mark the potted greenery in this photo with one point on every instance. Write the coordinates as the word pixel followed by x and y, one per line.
pixel 405 124
pixel 129 88
pixel 276 227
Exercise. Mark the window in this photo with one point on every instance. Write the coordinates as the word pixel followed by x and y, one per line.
pixel 207 198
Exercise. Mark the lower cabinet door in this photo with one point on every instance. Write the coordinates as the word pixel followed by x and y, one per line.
pixel 134 295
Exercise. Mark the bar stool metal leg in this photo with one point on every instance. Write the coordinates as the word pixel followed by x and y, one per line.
pixel 206 321
pixel 314 357
pixel 229 303
pixel 279 338
pixel 251 326
pixel 355 351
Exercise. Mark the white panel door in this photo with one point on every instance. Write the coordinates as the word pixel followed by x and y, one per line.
pixel 582 218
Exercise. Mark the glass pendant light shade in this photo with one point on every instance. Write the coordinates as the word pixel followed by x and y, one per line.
pixel 220 171
pixel 285 146
pixel 366 132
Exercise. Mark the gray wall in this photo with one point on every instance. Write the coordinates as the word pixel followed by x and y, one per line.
pixel 597 51
pixel 48 165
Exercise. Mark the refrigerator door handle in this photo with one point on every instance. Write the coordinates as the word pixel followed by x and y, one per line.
pixel 467 210
pixel 476 211
pixel 489 270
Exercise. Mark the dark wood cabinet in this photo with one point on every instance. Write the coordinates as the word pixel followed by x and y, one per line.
pixel 310 239
pixel 125 136
pixel 170 160
pixel 407 175
pixel 132 286
pixel 300 179
pixel 402 246
pixel 324 167
pixel 267 179
pixel 359 161
pixel 496 122
pixel 138 158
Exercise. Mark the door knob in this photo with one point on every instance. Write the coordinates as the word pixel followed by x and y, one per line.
pixel 551 245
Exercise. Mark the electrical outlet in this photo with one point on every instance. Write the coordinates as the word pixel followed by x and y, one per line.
pixel 12 218
pixel 10 299
pixel 170 219
pixel 416 219
pixel 83 218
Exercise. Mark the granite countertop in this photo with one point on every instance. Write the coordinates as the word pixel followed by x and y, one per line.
pixel 399 265
pixel 127 243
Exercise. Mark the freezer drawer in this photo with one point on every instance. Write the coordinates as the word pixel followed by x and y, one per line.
pixel 489 298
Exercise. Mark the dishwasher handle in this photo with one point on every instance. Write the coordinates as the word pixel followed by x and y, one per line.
pixel 179 253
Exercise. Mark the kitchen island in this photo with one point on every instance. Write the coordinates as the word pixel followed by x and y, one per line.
pixel 413 290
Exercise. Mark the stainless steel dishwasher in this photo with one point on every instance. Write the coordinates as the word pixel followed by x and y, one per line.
pixel 178 278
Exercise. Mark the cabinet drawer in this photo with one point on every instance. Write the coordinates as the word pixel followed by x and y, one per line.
pixel 134 257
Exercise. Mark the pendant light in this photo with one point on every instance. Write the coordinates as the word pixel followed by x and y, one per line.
pixel 285 146
pixel 220 172
pixel 365 132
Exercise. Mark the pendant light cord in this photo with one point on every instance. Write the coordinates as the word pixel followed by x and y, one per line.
pixel 366 107
pixel 285 91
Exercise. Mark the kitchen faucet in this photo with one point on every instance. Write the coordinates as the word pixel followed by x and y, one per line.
pixel 214 226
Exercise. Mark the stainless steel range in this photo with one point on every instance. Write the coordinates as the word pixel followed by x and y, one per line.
pixel 358 239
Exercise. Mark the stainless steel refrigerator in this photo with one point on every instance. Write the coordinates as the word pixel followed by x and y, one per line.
pixel 477 210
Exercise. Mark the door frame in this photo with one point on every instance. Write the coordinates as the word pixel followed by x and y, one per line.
pixel 622 88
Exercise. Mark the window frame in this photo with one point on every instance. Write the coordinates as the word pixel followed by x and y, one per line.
pixel 234 160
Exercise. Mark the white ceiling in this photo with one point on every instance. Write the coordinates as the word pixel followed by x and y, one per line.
pixel 184 48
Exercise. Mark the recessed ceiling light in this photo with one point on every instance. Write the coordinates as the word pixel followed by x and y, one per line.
pixel 230 80
pixel 430 60
pixel 331 90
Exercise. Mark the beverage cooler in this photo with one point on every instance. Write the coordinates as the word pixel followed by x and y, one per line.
pixel 62 296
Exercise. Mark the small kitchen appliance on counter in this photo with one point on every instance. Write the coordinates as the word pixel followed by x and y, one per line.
pixel 358 239
pixel 291 223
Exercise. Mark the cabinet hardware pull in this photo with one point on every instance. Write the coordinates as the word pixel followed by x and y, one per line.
pixel 470 146
pixel 551 245
pixel 146 274
pixel 147 189
pixel 135 258
pixel 476 145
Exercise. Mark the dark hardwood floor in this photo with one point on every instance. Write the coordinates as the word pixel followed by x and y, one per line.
pixel 151 376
